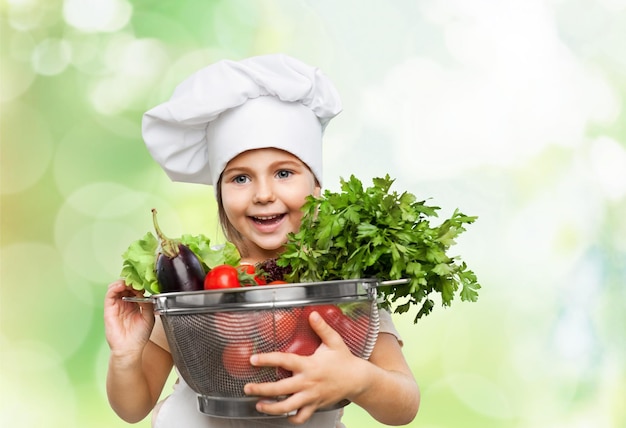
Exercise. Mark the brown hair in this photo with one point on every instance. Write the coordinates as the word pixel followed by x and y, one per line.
pixel 228 229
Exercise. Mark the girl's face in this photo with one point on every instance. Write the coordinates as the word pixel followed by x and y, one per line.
pixel 262 194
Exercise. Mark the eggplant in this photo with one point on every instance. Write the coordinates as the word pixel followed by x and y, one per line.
pixel 177 267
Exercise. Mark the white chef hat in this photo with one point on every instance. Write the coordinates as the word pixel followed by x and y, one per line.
pixel 230 107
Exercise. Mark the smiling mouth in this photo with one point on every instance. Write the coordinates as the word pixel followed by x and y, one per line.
pixel 272 219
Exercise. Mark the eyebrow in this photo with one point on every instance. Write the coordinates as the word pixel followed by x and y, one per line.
pixel 282 163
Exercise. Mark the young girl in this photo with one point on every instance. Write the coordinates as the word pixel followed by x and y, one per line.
pixel 253 129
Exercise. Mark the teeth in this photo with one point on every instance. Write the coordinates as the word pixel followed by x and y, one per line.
pixel 272 217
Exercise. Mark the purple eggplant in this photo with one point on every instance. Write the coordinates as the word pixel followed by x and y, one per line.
pixel 177 267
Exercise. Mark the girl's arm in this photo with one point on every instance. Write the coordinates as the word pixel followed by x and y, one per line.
pixel 383 385
pixel 138 367
pixel 387 388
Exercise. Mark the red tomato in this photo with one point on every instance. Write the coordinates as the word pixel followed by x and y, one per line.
pixel 332 314
pixel 277 282
pixel 236 359
pixel 354 332
pixel 222 276
pixel 278 327
pixel 249 276
pixel 231 326
pixel 302 343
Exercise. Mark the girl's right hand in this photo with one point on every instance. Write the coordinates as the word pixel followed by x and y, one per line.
pixel 127 325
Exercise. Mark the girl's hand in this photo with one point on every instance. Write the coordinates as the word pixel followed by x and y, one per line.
pixel 318 380
pixel 127 325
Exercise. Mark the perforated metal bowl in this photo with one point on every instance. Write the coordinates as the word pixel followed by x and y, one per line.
pixel 212 333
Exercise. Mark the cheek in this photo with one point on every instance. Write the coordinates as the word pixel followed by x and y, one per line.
pixel 233 206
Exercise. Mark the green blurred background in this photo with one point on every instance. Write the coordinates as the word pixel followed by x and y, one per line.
pixel 512 111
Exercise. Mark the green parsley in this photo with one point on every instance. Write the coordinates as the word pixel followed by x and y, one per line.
pixel 383 234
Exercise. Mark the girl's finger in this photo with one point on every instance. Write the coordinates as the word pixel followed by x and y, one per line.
pixel 287 361
pixel 329 337
pixel 302 415
pixel 287 406
pixel 279 388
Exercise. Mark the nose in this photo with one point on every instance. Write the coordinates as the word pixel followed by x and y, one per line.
pixel 264 192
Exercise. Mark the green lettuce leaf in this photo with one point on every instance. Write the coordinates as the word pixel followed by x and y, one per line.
pixel 139 260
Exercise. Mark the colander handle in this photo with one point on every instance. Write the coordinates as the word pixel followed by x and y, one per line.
pixel 395 282
pixel 138 299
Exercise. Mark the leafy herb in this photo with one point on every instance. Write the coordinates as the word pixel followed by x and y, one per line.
pixel 379 233
pixel 138 269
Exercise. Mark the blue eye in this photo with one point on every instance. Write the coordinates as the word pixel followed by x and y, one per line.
pixel 240 179
pixel 283 173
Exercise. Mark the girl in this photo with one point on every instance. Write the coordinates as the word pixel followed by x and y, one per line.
pixel 253 129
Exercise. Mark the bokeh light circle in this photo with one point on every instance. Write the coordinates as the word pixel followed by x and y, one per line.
pixel 96 224
pixel 608 164
pixel 481 394
pixel 51 56
pixel 87 154
pixel 26 15
pixel 106 200
pixel 15 68
pixel 133 69
pixel 43 307
pixel 31 371
pixel 97 15
pixel 25 133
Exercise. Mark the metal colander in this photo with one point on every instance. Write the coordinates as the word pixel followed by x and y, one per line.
pixel 212 333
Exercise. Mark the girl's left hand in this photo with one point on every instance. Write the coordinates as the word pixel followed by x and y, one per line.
pixel 323 379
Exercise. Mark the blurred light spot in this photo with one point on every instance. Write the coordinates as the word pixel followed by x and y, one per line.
pixel 110 240
pixel 105 200
pixel 457 338
pixel 608 163
pixel 43 307
pixel 78 254
pixel 36 390
pixel 25 133
pixel 97 15
pixel 181 68
pixel 21 46
pixel 103 218
pixel 25 15
pixel 15 68
pixel 511 93
pixel 234 23
pixel 573 336
pixel 87 51
pixel 481 395
pixel 96 225
pixel 613 5
pixel 144 59
pixel 88 154
pixel 51 57
pixel 111 95
pixel 101 367
pixel 134 68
